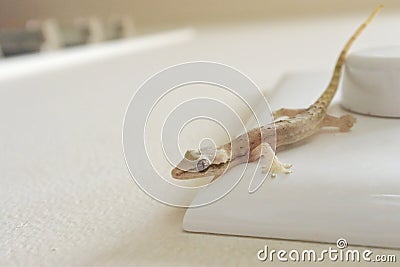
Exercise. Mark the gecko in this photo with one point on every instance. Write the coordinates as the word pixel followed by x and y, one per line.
pixel 289 126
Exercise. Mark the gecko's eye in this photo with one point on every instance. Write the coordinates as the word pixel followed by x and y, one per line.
pixel 203 164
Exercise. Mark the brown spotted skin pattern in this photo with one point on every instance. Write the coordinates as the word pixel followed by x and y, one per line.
pixel 285 131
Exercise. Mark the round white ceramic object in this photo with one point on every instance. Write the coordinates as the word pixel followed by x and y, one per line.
pixel 371 82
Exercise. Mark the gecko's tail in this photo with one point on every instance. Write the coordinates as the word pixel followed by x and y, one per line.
pixel 325 99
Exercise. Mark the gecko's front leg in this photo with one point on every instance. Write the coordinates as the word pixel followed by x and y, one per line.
pixel 265 151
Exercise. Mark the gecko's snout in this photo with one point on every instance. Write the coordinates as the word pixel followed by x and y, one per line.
pixel 176 173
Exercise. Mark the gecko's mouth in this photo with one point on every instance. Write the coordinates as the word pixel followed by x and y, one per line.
pixel 212 170
pixel 183 175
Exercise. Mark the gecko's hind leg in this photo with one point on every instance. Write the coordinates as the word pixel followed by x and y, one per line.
pixel 344 123
pixel 265 151
pixel 282 112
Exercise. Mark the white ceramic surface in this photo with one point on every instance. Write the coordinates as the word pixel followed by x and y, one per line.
pixel 342 185
pixel 371 82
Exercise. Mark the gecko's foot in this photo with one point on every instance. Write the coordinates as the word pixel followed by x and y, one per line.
pixel 346 122
pixel 277 167
pixel 269 155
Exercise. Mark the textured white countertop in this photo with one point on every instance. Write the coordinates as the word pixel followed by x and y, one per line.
pixel 65 193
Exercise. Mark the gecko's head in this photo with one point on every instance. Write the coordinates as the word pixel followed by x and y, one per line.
pixel 197 164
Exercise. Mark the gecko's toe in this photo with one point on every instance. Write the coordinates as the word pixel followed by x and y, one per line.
pixel 347 121
pixel 287 167
pixel 287 171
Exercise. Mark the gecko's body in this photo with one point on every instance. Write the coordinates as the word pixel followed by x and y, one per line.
pixel 299 124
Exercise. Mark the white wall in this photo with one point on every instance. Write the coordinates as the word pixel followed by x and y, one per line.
pixel 166 12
